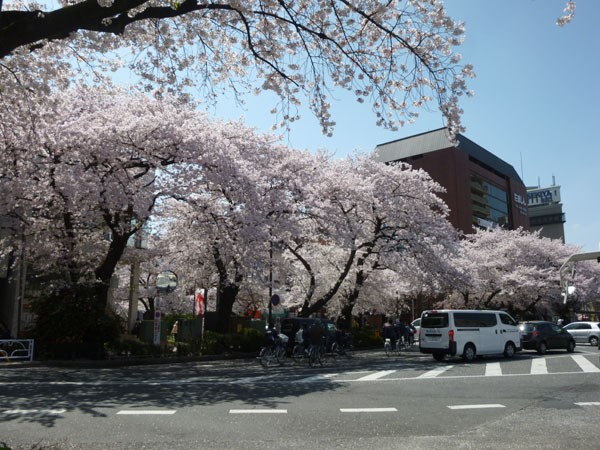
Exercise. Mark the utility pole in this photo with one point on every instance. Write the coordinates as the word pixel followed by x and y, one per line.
pixel 134 286
pixel 270 316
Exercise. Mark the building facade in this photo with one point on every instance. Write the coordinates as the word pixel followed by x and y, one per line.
pixel 545 212
pixel 481 189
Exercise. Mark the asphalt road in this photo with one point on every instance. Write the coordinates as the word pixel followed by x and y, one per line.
pixel 367 402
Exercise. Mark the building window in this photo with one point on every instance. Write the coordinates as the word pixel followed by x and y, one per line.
pixel 547 220
pixel 489 203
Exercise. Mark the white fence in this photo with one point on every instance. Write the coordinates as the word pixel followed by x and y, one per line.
pixel 16 349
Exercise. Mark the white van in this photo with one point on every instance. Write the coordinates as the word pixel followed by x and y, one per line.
pixel 468 333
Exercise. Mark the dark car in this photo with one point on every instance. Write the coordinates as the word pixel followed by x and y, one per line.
pixel 543 336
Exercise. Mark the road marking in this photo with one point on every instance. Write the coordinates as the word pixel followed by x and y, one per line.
pixel 538 366
pixel 319 377
pixel 376 375
pixel 146 412
pixel 584 363
pixel 493 370
pixel 484 406
pixel 435 372
pixel 250 380
pixel 258 411
pixel 588 403
pixel 54 412
pixel 358 410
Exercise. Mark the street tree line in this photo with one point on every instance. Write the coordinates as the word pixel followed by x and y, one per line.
pixel 223 206
pixel 86 167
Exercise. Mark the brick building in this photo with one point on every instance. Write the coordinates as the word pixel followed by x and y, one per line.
pixel 481 189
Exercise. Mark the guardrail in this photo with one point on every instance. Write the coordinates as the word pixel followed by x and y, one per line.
pixel 16 349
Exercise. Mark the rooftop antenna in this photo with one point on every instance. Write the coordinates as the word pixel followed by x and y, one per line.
pixel 553 180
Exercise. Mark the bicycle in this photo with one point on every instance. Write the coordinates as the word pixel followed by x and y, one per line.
pixel 273 353
pixel 299 353
pixel 317 353
pixel 342 346
pixel 392 349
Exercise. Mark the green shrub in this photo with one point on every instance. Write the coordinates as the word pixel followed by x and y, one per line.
pixel 248 341
pixel 72 323
pixel 364 338
pixel 132 346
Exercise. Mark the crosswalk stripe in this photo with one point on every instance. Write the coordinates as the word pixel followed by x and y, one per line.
pixel 258 411
pixel 435 372
pixel 376 375
pixel 585 364
pixel 587 403
pixel 493 369
pixel 484 406
pixel 53 412
pixel 538 366
pixel 353 410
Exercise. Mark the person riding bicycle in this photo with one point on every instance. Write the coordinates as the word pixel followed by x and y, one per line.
pixel 271 336
pixel 389 332
pixel 316 333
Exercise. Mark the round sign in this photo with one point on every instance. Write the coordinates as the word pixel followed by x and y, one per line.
pixel 166 281
pixel 275 300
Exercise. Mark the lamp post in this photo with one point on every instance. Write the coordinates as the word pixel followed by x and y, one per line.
pixel 270 316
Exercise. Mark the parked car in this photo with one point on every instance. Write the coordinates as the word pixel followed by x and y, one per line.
pixel 543 336
pixel 584 332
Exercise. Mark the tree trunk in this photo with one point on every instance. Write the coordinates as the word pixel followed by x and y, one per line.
pixel 226 298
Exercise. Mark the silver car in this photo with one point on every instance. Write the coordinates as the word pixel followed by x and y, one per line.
pixel 584 332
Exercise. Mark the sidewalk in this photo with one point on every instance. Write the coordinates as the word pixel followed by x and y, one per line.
pixel 134 361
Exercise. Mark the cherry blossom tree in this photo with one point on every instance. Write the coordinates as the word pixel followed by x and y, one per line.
pixel 232 213
pixel 368 217
pixel 317 223
pixel 85 165
pixel 398 55
pixel 514 270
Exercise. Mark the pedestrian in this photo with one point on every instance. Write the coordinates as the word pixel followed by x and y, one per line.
pixel 389 332
pixel 412 331
pixel 175 329
pixel 136 328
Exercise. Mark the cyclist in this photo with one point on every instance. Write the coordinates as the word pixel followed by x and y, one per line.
pixel 389 332
pixel 316 333
pixel 316 338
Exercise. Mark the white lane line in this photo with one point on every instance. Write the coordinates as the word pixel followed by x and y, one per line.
pixel 358 410
pixel 493 370
pixel 538 366
pixel 146 412
pixel 250 380
pixel 585 364
pixel 435 372
pixel 376 375
pixel 258 411
pixel 483 406
pixel 320 377
pixel 54 412
pixel 588 403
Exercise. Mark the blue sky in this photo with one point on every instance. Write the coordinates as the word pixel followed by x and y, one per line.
pixel 536 103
